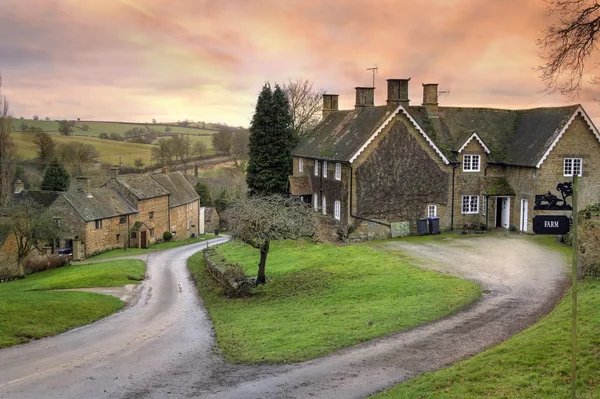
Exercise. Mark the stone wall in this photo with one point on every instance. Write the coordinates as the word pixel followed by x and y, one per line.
pixel 182 219
pixel 399 175
pixel 8 257
pixel 469 183
pixel 112 234
pixel 160 220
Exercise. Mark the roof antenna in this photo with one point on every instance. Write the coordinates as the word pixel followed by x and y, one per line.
pixel 374 70
pixel 440 92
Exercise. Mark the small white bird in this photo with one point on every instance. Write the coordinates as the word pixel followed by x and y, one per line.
pixel 179 286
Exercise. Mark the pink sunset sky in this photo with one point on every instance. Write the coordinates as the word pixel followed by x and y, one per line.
pixel 134 60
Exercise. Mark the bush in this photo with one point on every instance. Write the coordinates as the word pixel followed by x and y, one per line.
pixel 589 241
pixel 35 264
pixel 167 236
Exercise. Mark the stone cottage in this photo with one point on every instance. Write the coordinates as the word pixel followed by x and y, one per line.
pixel 374 167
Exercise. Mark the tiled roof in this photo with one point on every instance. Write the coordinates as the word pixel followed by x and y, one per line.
pixel 342 133
pixel 104 203
pixel 43 198
pixel 515 137
pixel 143 186
pixel 208 214
pixel 300 185
pixel 181 190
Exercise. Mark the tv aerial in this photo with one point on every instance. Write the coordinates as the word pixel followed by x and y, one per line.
pixel 374 70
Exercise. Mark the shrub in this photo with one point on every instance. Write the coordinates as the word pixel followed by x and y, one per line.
pixel 589 241
pixel 167 236
pixel 34 264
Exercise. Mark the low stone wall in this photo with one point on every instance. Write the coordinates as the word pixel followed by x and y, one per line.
pixel 235 284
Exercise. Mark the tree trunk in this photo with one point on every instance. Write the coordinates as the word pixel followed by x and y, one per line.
pixel 21 267
pixel 264 250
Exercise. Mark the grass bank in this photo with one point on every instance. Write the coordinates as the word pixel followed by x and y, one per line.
pixel 535 363
pixel 29 310
pixel 113 253
pixel 322 298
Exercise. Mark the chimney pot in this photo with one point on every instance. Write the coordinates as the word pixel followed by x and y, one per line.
pixel 398 92
pixel 330 104
pixel 165 169
pixel 430 98
pixel 84 185
pixel 365 97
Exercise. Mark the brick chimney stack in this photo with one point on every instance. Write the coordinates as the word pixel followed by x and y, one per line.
pixel 430 98
pixel 365 97
pixel 330 104
pixel 165 169
pixel 114 173
pixel 398 92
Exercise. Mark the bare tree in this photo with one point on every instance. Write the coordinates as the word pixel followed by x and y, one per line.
pixel 77 156
pixel 46 146
pixel 7 149
pixel 239 148
pixel 31 227
pixel 162 153
pixel 569 43
pixel 259 220
pixel 305 105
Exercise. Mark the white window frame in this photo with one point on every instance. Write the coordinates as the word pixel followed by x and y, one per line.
pixel 316 167
pixel 325 169
pixel 468 162
pixel 300 165
pixel 315 201
pixel 570 166
pixel 337 210
pixel 483 205
pixel 324 205
pixel 431 208
pixel 470 204
pixel 338 171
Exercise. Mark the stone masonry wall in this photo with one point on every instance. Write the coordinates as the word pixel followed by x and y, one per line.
pixel 160 220
pixel 181 218
pixel 105 237
pixel 8 257
pixel 469 183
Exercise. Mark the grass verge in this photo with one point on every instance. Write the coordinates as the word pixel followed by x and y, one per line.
pixel 535 363
pixel 29 311
pixel 322 298
pixel 156 247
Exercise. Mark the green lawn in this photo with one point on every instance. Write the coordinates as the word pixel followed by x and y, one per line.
pixel 156 247
pixel 533 364
pixel 28 311
pixel 322 298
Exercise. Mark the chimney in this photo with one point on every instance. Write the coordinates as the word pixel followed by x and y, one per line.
pixel 114 173
pixel 398 92
pixel 165 169
pixel 83 185
pixel 430 98
pixel 365 97
pixel 330 104
pixel 19 186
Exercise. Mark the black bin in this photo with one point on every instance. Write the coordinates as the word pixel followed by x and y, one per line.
pixel 216 232
pixel 434 225
pixel 422 227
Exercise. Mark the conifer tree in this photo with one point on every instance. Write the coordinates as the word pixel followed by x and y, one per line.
pixel 271 143
pixel 56 178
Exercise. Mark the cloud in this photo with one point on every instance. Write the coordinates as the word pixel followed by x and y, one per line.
pixel 207 60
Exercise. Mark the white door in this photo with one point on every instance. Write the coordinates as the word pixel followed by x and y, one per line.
pixel 524 215
pixel 505 218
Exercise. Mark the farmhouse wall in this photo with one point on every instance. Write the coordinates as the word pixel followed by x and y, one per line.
pixel 469 183
pixel 160 220
pixel 399 175
pixel 8 257
pixel 112 234
pixel 183 217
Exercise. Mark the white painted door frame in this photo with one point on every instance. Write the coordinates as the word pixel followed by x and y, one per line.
pixel 524 215
pixel 505 212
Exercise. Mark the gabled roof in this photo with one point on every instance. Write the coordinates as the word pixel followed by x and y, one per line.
pixel 143 186
pixel 474 136
pixel 208 214
pixel 513 137
pixel 181 190
pixel 104 203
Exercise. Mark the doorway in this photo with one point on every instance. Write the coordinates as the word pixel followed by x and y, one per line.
pixel 143 240
pixel 524 215
pixel 503 212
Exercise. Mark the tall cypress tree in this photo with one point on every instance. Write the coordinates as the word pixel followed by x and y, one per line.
pixel 271 142
pixel 56 178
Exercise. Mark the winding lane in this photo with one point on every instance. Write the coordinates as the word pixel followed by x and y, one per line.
pixel 163 345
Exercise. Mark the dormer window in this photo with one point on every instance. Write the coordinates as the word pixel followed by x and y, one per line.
pixel 316 168
pixel 471 163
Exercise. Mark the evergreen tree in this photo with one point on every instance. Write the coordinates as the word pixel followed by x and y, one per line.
pixel 271 143
pixel 56 178
pixel 204 193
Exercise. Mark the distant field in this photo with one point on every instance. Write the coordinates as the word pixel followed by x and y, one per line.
pixel 110 151
pixel 95 128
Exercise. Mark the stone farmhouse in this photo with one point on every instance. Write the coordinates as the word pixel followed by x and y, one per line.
pixel 133 211
pixel 378 169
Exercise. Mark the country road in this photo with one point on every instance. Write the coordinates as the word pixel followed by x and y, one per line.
pixel 163 346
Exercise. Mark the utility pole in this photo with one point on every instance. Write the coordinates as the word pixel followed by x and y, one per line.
pixel 575 254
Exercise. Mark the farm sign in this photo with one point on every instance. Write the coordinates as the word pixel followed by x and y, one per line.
pixel 551 224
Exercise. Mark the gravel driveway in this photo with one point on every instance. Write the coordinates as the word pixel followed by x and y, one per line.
pixel 164 346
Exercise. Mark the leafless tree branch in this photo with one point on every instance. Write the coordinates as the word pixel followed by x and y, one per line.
pixel 305 105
